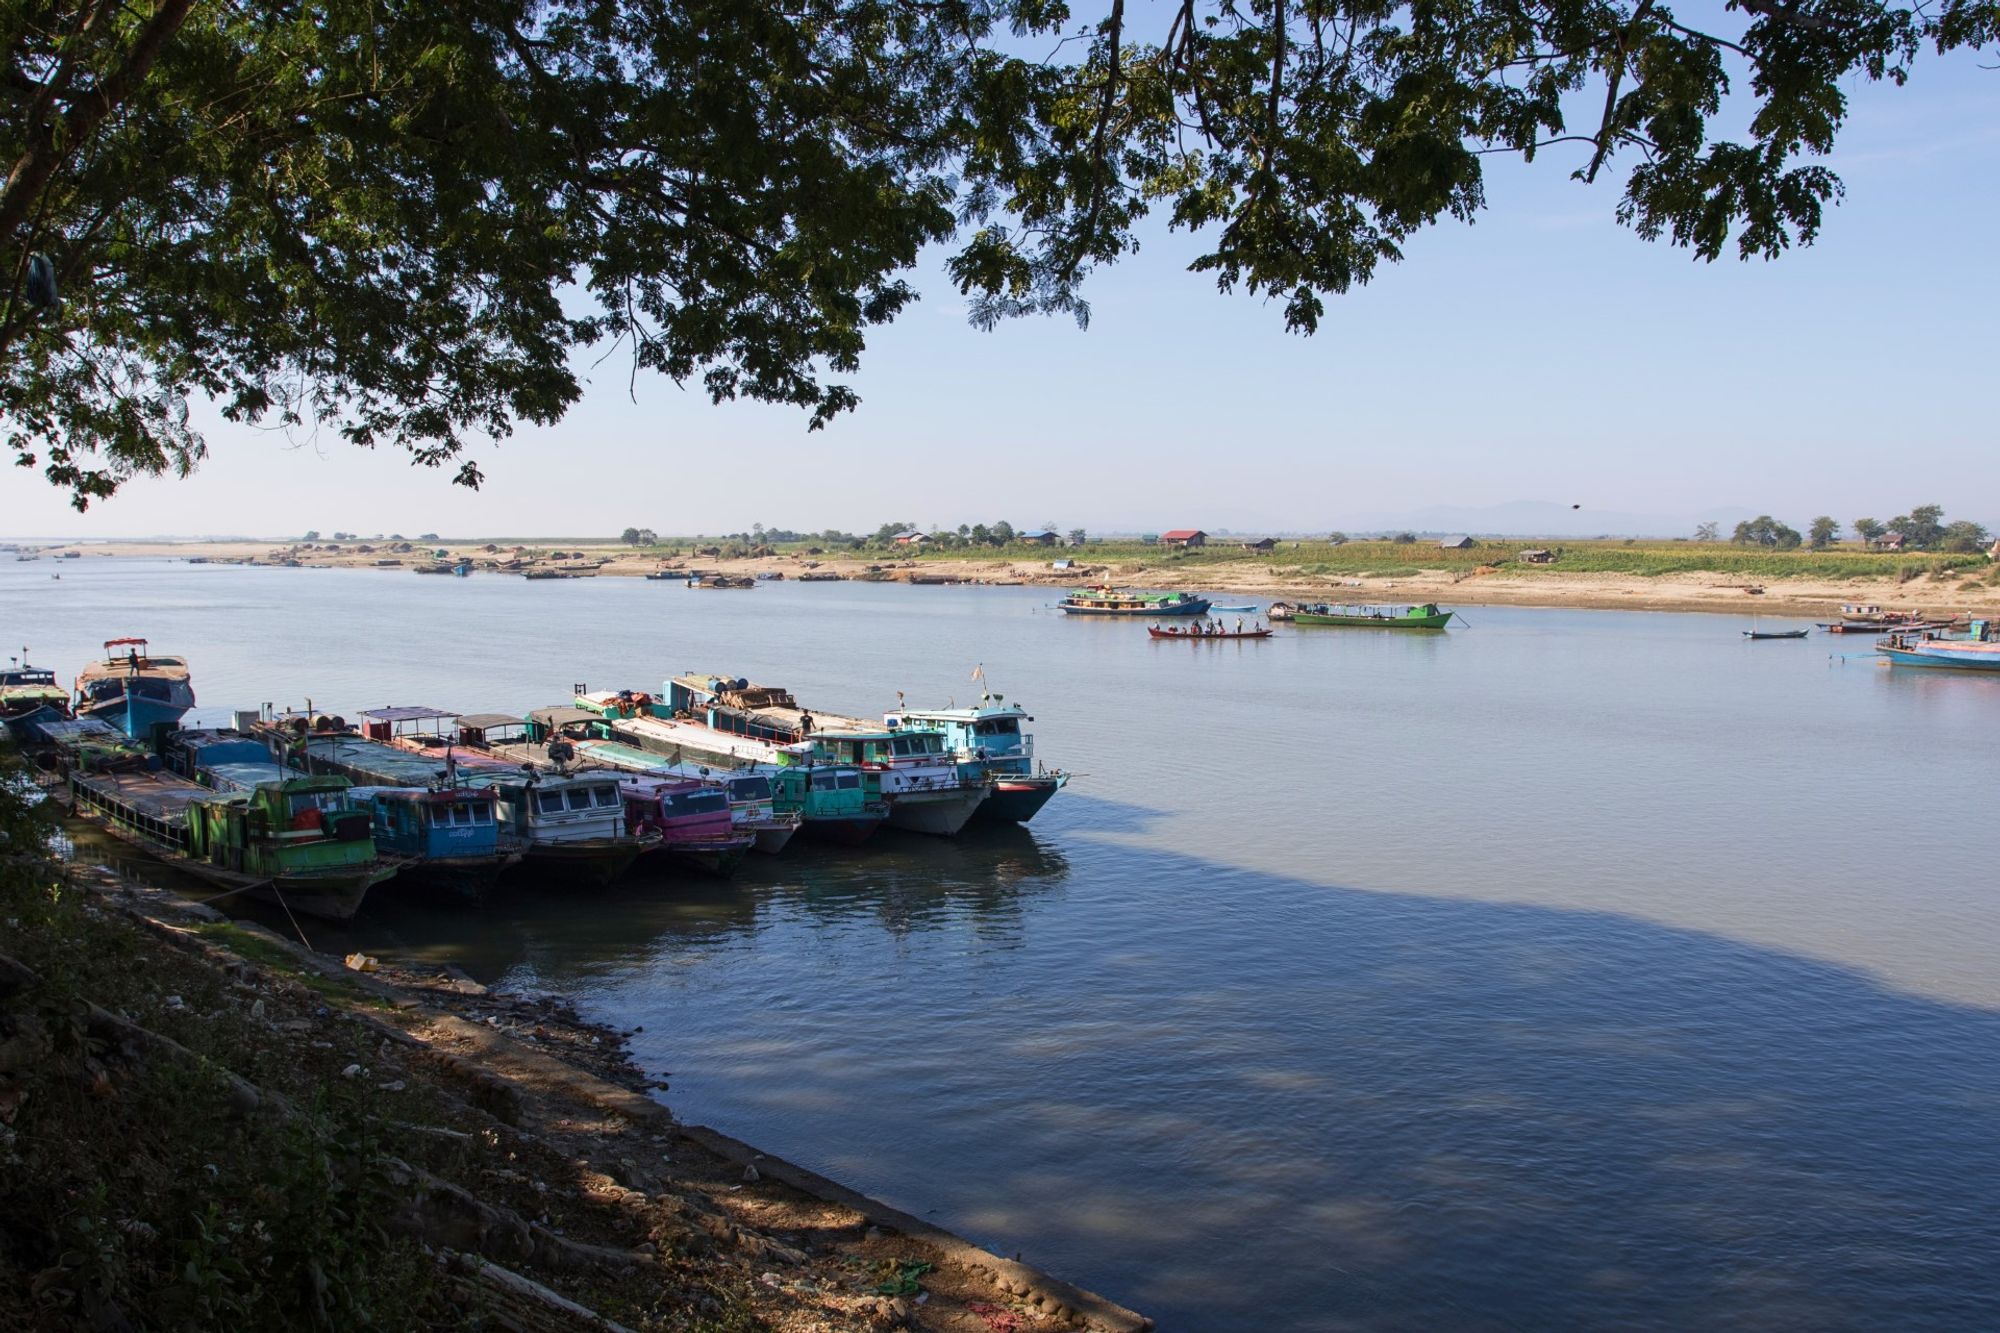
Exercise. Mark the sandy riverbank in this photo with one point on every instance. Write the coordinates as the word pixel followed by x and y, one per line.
pixel 1509 585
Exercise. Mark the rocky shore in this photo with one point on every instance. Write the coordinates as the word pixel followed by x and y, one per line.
pixel 511 1161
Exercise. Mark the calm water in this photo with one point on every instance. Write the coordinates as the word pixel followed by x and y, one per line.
pixel 1570 970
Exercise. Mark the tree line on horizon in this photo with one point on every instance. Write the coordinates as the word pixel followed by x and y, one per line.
pixel 1922 529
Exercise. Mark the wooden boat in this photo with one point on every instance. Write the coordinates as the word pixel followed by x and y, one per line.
pixel 1209 636
pixel 834 802
pixel 1866 618
pixel 554 574
pixel 446 838
pixel 1244 610
pixel 666 575
pixel 297 841
pixel 920 782
pixel 1977 651
pixel 1776 633
pixel 571 825
pixel 134 690
pixel 1424 616
pixel 990 738
pixel 29 695
pixel 1106 601
pixel 690 818
pixel 721 581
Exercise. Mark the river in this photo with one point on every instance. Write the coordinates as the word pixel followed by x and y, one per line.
pixel 1566 970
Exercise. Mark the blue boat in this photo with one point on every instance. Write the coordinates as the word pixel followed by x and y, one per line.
pixel 134 690
pixel 1978 650
pixel 989 741
pixel 419 809
pixel 452 834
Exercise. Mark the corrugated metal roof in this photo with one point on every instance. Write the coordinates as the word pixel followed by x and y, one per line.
pixel 409 713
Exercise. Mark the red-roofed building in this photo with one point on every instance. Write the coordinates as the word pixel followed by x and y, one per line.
pixel 1184 537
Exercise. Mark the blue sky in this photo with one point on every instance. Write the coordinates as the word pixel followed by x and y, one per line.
pixel 1543 354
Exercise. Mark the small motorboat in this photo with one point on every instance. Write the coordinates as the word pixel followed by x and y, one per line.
pixel 1246 610
pixel 1776 633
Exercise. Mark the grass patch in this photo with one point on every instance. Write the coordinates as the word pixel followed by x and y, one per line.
pixel 1398 559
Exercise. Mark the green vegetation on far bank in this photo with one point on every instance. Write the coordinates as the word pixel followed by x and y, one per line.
pixel 1399 559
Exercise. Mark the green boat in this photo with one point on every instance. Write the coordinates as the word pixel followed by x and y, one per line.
pixel 298 842
pixel 1425 616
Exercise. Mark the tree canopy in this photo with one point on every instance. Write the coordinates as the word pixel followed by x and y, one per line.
pixel 399 221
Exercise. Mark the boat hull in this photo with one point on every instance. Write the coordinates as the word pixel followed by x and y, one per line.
pixel 1944 659
pixel 939 813
pixel 1016 800
pixel 772 838
pixel 1438 621
pixel 463 878
pixel 1210 638
pixel 596 861
pixel 848 830
pixel 1196 607
pixel 331 896
pixel 136 715
pixel 711 856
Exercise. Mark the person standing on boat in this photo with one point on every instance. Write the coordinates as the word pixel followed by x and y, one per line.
pixel 1239 624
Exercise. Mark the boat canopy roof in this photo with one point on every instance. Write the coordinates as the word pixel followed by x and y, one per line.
pixel 561 715
pixel 974 714
pixel 487 721
pixel 408 713
pixel 438 795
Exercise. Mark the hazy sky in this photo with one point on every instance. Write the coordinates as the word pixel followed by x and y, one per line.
pixel 1544 354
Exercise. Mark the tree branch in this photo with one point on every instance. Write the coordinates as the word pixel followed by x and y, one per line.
pixel 38 162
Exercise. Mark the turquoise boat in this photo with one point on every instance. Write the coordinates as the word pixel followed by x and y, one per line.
pixel 1106 601
pixel 989 740
pixel 134 690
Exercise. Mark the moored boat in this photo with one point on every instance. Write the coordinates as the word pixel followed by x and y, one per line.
pixel 1867 618
pixel 922 783
pixel 568 825
pixel 296 840
pixel 134 690
pixel 989 739
pixel 29 695
pixel 752 802
pixel 687 819
pixel 1107 601
pixel 836 802
pixel 1426 615
pixel 1977 650
pixel 1775 633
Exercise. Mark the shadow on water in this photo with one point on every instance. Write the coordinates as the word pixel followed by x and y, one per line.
pixel 1237 1099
